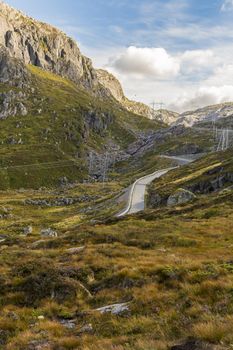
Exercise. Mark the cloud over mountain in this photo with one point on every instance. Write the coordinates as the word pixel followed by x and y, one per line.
pixel 152 62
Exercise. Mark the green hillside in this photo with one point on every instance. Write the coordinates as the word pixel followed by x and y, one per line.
pixel 52 140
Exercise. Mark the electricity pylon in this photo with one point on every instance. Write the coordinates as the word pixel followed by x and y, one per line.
pixel 223 144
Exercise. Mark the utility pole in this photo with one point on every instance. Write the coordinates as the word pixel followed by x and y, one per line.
pixel 156 106
pixel 105 167
pixel 224 141
pixel 91 161
pixel 161 105
pixel 153 104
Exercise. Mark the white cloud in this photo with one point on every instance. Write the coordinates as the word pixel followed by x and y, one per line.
pixel 227 6
pixel 183 81
pixel 147 62
pixel 203 96
pixel 157 63
pixel 194 60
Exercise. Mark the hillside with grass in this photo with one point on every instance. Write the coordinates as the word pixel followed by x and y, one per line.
pixel 62 124
pixel 73 275
pixel 165 274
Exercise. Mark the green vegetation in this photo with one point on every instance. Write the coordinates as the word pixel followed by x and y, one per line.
pixel 157 261
pixel 51 141
pixel 206 175
pixel 171 267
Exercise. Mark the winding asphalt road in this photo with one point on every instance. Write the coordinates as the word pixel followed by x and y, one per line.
pixel 136 200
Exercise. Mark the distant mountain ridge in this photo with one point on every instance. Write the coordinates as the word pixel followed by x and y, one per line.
pixel 205 114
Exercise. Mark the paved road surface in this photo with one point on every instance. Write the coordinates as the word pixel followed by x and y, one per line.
pixel 136 201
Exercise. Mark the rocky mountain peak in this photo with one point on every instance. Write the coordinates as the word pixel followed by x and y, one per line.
pixel 36 43
pixel 44 46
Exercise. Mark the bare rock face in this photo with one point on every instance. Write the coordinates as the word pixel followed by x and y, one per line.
pixel 111 84
pixel 31 42
pixel 181 196
pixel 12 71
pixel 44 46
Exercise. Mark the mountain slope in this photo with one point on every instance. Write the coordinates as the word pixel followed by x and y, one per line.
pixel 65 122
pixel 44 46
pixel 206 114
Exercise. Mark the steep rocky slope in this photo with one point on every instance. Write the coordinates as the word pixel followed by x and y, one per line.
pixel 44 46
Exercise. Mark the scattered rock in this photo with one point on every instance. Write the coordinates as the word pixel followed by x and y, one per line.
pixel 22 109
pixel 69 324
pixel 73 251
pixel 48 233
pixel 181 196
pixel 86 329
pixel 27 230
pixel 13 315
pixel 37 244
pixel 60 202
pixel 41 317
pixel 39 345
pixel 115 309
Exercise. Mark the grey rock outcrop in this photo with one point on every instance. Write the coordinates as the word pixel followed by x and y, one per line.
pixel 181 196
pixel 12 104
pixel 115 309
pixel 39 44
pixel 75 250
pixel 48 233
pixel 12 71
pixel 44 46
pixel 27 230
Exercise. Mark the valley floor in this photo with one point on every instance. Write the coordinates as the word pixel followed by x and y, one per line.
pixel 169 270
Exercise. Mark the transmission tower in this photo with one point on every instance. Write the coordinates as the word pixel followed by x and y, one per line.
pixel 156 106
pixel 224 143
pixel 91 165
pixel 105 167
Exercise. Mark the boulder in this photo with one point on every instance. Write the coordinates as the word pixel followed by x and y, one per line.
pixel 48 233
pixel 27 230
pixel 77 250
pixel 181 196
pixel 88 328
pixel 115 309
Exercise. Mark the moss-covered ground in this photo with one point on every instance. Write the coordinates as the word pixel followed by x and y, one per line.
pixel 172 266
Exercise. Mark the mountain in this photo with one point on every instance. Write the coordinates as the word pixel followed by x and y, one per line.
pixel 206 114
pixel 46 47
pixel 50 97
pixel 115 89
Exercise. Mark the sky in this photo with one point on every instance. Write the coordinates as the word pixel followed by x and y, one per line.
pixel 179 52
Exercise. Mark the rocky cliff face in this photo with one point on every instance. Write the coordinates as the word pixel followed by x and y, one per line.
pixel 41 45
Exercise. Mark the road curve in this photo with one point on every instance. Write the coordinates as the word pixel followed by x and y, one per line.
pixel 136 200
